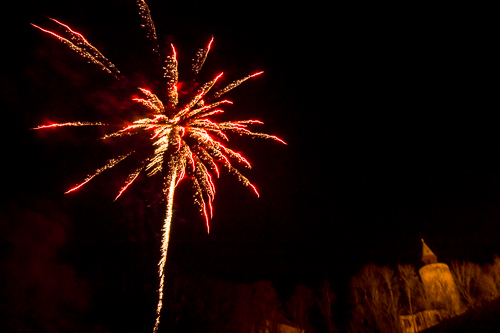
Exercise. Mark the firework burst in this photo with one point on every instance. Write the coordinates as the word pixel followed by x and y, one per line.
pixel 186 142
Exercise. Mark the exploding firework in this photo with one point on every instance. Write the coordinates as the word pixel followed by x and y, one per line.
pixel 185 142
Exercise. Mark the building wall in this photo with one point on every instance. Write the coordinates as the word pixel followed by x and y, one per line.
pixel 419 321
pixel 441 292
pixel 440 288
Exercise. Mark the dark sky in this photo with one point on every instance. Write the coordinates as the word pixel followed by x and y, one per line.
pixel 390 115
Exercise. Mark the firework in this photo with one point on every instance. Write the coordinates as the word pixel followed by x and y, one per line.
pixel 186 142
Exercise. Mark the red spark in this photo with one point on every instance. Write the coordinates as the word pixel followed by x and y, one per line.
pixel 210 44
pixel 254 189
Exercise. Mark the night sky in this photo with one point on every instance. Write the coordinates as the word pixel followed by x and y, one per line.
pixel 390 115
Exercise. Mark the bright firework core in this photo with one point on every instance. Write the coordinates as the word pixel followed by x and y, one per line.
pixel 186 142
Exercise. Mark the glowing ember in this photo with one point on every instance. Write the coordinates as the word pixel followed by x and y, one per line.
pixel 186 141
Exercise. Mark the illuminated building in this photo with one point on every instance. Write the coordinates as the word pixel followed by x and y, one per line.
pixel 440 294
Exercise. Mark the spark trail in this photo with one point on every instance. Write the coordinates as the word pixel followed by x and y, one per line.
pixel 186 142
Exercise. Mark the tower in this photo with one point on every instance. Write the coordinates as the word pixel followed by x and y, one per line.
pixel 439 286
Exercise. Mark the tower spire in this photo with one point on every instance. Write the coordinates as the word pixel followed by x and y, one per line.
pixel 428 257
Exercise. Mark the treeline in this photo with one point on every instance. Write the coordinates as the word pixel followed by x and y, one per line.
pixel 379 295
pixel 196 303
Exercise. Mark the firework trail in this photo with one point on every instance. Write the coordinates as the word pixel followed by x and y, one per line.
pixel 185 141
